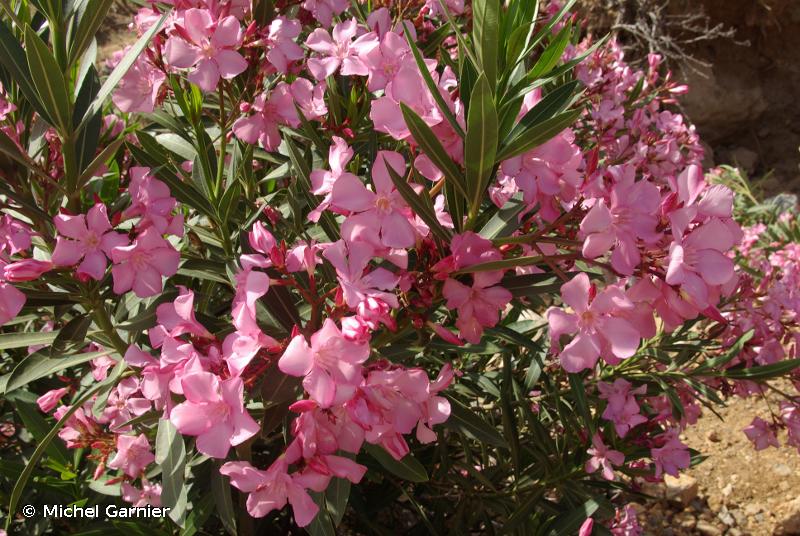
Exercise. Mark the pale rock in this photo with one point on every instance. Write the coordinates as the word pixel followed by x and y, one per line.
pixel 682 489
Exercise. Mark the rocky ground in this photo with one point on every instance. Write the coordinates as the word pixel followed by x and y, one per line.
pixel 736 491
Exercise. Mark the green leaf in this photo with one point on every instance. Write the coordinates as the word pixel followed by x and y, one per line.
pixel 408 468
pixel 336 497
pixel 538 134
pixel 21 340
pixel 552 103
pixel 90 21
pixel 38 365
pixel 523 513
pixel 432 88
pixel 103 157
pixel 578 390
pixel 13 58
pixel 221 490
pixel 731 353
pixel 74 332
pixel 549 58
pixel 486 37
pixel 568 523
pixel 171 457
pixel 420 204
pixel 764 372
pixel 506 220
pixel 49 82
pixel 432 147
pixel 480 147
pixel 121 69
pixel 321 525
pixel 466 421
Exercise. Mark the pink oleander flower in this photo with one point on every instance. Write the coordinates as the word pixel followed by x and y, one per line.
pixel 350 261
pixel 214 412
pixel 325 10
pixel 478 306
pixel 87 239
pixel 271 490
pixel 603 458
pixel 631 214
pixel 282 49
pixel 208 45
pixel 331 365
pixel 11 302
pixel 125 402
pixel 26 270
pixel 407 87
pixel 242 345
pixel 15 236
pixel 322 181
pixel 139 88
pixel 761 434
pixel 48 401
pixel 339 49
pixel 270 112
pixel 310 98
pixel 672 456
pixel 141 265
pixel 622 408
pixel 79 427
pixel 394 402
pixel 384 210
pixel 133 455
pixel 152 203
pixel 150 494
pixel 600 325
pixel 177 318
pixel 384 61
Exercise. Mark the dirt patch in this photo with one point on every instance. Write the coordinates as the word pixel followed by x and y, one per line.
pixel 738 491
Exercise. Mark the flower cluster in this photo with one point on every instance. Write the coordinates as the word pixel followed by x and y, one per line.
pixel 307 219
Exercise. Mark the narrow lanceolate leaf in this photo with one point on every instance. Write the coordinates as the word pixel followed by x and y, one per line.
pixel 506 220
pixel 552 53
pixel 49 80
pixel 21 340
pixel 221 491
pixel 553 103
pixel 466 421
pixel 91 19
pixel 539 134
pixel 12 57
pixel 486 38
pixel 408 468
pixel 120 70
pixel 38 365
pixel 432 147
pixel 420 204
pixel 171 456
pixel 434 90
pixel 480 147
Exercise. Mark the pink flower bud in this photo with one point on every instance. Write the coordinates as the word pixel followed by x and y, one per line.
pixel 48 401
pixel 261 240
pixel 26 270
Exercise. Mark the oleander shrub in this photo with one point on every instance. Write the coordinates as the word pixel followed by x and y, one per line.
pixel 365 267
